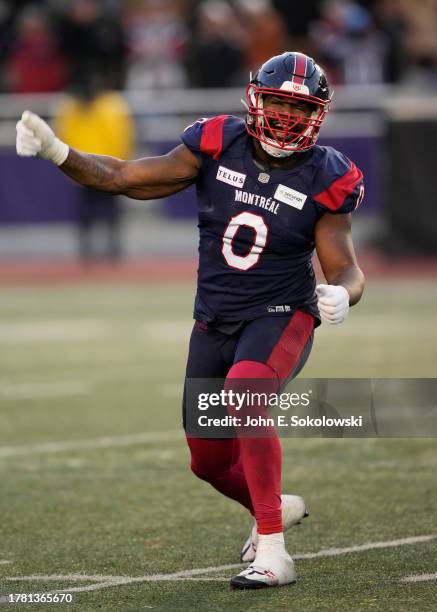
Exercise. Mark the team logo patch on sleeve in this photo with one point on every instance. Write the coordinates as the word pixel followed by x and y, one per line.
pixel 236 179
pixel 290 196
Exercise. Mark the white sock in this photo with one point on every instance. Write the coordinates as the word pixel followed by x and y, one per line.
pixel 270 543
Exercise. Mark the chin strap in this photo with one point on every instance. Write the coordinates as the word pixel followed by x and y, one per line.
pixel 274 151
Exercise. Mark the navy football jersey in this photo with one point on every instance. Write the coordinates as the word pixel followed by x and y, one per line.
pixel 256 227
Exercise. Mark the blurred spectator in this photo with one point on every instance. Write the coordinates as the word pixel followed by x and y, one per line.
pixel 422 31
pixel 93 41
pixel 298 17
pixel 421 42
pixel 157 45
pixel 358 41
pixel 264 30
pixel 215 56
pixel 349 45
pixel 98 122
pixel 6 38
pixel 391 20
pixel 35 62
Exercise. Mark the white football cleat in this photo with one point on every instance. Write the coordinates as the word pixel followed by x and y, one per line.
pixel 293 511
pixel 272 566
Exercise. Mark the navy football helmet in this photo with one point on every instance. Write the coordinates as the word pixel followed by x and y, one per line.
pixel 291 76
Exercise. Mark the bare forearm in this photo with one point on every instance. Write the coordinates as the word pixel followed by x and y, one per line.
pixel 353 280
pixel 95 171
pixel 337 257
pixel 143 179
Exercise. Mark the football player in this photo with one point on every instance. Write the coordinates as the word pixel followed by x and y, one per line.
pixel 268 195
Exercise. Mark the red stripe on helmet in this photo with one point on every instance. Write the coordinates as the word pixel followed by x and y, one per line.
pixel 211 141
pixel 337 192
pixel 300 69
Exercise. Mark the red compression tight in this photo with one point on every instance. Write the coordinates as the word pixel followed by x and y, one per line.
pixel 246 469
pixel 218 462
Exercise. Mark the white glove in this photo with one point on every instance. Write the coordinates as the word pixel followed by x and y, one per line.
pixel 333 303
pixel 35 137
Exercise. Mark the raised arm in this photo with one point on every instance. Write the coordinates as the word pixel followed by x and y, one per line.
pixel 336 254
pixel 143 179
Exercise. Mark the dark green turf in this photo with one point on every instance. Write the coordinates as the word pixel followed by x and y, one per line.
pixel 137 509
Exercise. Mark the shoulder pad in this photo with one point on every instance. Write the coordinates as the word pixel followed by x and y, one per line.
pixel 212 136
pixel 338 182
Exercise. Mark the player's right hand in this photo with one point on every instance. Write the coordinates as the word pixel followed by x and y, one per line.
pixel 35 137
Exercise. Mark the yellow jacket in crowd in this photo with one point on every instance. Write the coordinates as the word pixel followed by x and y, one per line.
pixel 103 125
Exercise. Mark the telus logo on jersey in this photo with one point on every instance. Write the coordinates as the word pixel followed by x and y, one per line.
pixel 290 196
pixel 236 179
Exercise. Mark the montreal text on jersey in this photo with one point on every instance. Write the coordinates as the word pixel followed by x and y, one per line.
pixel 268 204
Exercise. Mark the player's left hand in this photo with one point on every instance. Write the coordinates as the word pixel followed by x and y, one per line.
pixel 333 303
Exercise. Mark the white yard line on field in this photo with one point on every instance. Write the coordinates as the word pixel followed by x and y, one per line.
pixel 103 582
pixel 68 578
pixel 332 552
pixel 92 443
pixel 168 331
pixel 42 390
pixel 420 578
pixel 43 331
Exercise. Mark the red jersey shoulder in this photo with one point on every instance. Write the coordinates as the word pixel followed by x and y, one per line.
pixel 338 183
pixel 212 135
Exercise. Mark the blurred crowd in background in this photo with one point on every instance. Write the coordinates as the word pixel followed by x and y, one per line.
pixel 53 45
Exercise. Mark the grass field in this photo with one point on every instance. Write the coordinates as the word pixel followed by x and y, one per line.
pixel 96 495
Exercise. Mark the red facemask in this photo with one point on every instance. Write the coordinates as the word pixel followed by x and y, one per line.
pixel 282 133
